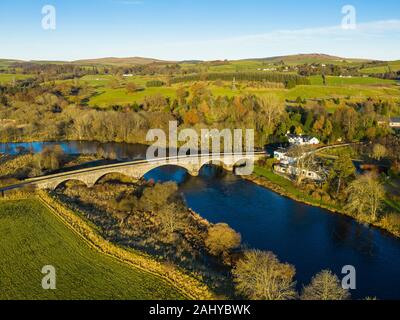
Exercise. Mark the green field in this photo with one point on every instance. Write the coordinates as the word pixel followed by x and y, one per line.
pixel 108 97
pixel 7 78
pixel 393 66
pixel 32 237
pixel 338 81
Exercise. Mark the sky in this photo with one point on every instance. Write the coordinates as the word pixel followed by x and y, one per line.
pixel 198 29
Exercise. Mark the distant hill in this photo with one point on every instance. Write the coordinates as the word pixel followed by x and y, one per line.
pixel 7 62
pixel 310 58
pixel 129 61
pixel 120 61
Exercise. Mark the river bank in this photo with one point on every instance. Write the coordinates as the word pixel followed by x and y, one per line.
pixel 285 188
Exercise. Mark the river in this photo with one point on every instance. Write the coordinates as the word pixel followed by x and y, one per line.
pixel 310 238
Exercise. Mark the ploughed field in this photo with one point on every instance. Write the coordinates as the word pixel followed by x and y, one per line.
pixel 32 237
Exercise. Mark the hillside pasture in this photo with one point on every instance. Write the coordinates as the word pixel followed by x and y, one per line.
pixel 341 81
pixel 108 97
pixel 393 66
pixel 6 78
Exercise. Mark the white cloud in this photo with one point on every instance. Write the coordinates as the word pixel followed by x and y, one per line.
pixel 375 40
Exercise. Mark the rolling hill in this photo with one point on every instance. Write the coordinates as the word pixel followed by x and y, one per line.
pixel 120 61
pixel 310 58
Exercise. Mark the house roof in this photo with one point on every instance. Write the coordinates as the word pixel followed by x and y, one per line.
pixel 304 138
pixel 397 119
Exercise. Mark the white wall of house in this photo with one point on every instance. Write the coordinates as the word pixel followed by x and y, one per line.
pixel 283 157
pixel 302 140
pixel 294 171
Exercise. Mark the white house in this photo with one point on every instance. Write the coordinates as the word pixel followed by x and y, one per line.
pixel 294 171
pixel 301 140
pixel 282 156
pixel 394 123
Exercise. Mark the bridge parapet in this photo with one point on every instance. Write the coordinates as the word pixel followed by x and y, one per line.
pixel 137 169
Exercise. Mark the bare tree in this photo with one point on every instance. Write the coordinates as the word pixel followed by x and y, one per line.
pixel 365 195
pixel 325 286
pixel 272 110
pixel 305 161
pixel 261 276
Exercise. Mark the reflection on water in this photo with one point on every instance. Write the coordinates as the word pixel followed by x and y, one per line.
pixel 122 150
pixel 310 238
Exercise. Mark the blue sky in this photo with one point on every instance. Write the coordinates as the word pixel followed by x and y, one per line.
pixel 197 29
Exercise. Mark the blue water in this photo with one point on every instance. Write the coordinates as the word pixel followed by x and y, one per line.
pixel 312 239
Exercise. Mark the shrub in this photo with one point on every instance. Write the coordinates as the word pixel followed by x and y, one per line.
pixel 154 83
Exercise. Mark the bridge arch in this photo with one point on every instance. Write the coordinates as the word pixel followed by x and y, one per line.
pixel 217 163
pixel 58 184
pixel 116 173
pixel 193 171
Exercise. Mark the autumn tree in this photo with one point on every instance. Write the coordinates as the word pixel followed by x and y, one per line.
pixel 131 87
pixel 379 151
pixel 51 158
pixel 221 239
pixel 191 117
pixel 181 95
pixel 325 286
pixel 365 196
pixel 261 276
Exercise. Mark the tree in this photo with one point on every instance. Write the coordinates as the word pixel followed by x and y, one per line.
pixel 379 151
pixel 191 117
pixel 156 197
pixel 325 286
pixel 365 195
pixel 342 169
pixel 131 87
pixel 221 239
pixel 305 161
pixel 261 276
pixel 181 95
pixel 272 110
pixel 51 158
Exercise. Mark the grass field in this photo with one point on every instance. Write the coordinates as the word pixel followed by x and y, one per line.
pixel 108 97
pixel 338 81
pixel 32 237
pixel 7 78
pixel 393 66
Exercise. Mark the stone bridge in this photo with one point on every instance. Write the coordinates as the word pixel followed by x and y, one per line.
pixel 137 169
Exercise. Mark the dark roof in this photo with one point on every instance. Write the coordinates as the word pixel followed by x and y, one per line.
pixel 394 119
